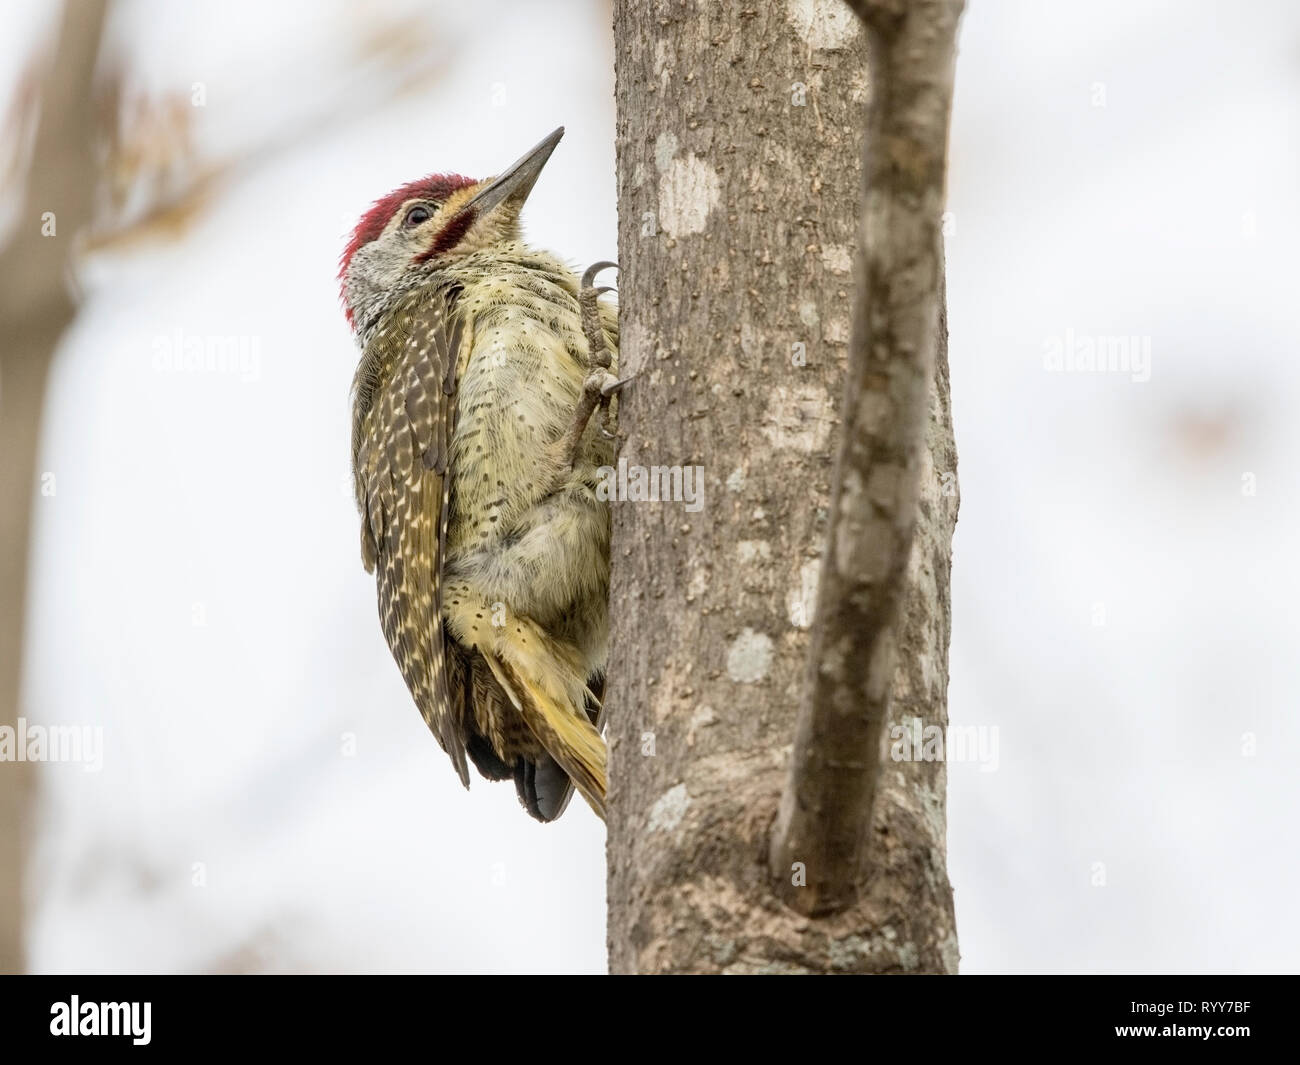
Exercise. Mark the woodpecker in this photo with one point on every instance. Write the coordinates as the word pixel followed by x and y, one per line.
pixel 475 463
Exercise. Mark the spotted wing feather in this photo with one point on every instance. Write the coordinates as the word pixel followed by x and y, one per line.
pixel 401 441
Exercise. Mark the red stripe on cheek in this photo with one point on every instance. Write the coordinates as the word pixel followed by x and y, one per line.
pixel 449 236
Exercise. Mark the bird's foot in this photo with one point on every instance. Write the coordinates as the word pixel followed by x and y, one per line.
pixel 600 385
pixel 598 356
pixel 597 390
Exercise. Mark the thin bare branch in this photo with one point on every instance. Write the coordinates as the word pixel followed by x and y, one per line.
pixel 393 60
pixel 36 306
pixel 826 806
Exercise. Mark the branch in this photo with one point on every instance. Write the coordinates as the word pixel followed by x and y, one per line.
pixel 393 59
pixel 58 223
pixel 35 308
pixel 826 807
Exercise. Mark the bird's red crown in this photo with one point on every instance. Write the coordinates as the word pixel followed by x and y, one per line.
pixel 435 187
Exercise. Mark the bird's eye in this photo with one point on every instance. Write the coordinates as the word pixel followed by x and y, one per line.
pixel 418 215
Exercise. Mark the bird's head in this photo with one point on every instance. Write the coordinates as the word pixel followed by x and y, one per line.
pixel 433 221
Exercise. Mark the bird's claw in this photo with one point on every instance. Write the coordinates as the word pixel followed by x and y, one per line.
pixel 593 270
pixel 597 348
pixel 600 385
pixel 610 385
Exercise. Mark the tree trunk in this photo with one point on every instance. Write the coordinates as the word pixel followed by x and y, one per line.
pixel 740 134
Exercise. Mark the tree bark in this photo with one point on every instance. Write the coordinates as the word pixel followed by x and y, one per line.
pixel 825 813
pixel 739 143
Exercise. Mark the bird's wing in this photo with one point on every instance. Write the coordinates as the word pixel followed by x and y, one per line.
pixel 402 436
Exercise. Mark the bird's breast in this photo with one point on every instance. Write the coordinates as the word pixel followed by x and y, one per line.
pixel 518 385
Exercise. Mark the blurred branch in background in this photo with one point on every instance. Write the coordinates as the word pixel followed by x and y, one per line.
pixel 110 168
pixel 157 184
pixel 36 306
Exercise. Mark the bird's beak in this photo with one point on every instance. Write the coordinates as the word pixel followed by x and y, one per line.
pixel 514 185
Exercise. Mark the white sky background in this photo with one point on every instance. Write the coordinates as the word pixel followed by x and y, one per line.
pixel 1169 213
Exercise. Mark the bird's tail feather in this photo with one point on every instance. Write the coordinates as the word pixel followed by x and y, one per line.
pixel 551 695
